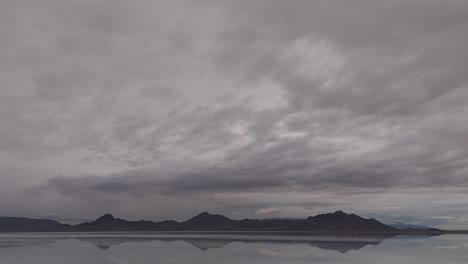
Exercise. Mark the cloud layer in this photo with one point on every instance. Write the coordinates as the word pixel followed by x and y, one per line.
pixel 158 109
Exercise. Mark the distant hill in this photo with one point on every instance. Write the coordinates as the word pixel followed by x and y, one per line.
pixel 206 221
pixel 108 222
pixel 18 224
pixel 339 222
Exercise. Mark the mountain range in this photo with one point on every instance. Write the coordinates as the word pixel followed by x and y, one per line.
pixel 338 222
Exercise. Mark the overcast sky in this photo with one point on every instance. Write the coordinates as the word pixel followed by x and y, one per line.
pixel 249 108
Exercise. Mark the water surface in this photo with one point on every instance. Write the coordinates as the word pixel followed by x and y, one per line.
pixel 229 248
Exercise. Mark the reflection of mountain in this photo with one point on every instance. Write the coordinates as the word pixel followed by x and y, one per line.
pixel 207 244
pixel 346 242
pixel 202 244
pixel 106 243
pixel 339 244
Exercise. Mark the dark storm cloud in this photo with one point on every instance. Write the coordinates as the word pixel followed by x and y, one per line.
pixel 234 98
pixel 399 55
pixel 288 166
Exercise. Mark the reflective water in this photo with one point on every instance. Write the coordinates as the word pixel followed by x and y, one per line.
pixel 230 248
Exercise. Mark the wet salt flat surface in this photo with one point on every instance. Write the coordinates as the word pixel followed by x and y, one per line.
pixel 229 248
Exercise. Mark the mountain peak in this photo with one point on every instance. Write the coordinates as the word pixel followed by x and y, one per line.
pixel 341 221
pixel 204 214
pixel 208 219
pixel 105 218
pixel 339 212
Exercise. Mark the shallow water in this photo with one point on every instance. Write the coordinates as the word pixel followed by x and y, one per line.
pixel 229 248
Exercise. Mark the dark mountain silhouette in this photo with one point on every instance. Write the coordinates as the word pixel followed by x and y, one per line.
pixel 18 224
pixel 206 221
pixel 337 222
pixel 108 222
pixel 341 221
pixel 105 219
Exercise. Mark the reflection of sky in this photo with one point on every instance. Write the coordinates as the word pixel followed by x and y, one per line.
pixel 404 250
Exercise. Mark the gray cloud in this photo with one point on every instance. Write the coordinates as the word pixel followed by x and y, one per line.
pixel 289 107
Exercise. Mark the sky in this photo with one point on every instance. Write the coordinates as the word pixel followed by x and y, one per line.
pixel 249 108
